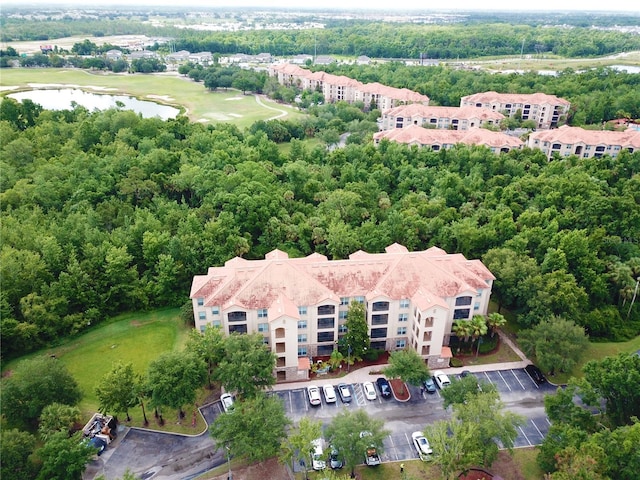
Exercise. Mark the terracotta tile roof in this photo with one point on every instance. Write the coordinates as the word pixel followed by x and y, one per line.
pixel 415 134
pixel 281 284
pixel 524 98
pixel 428 111
pixel 571 135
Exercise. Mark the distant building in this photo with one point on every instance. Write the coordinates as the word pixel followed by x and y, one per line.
pixel 300 305
pixel 453 118
pixel 547 111
pixel 438 139
pixel 113 54
pixel 336 88
pixel 566 141
pixel 201 58
pixel 324 60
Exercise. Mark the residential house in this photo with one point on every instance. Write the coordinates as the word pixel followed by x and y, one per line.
pixel 178 57
pixel 363 60
pixel 201 58
pixel 324 60
pixel 498 142
pixel 566 141
pixel 548 111
pixel 453 118
pixel 300 305
pixel 113 54
pixel 140 54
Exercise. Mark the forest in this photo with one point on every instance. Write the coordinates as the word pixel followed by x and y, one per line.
pixel 105 212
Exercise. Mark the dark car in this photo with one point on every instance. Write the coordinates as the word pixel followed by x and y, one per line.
pixel 535 373
pixel 334 459
pixel 430 385
pixel 384 387
pixel 345 393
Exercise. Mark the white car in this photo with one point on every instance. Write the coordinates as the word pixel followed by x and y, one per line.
pixel 421 443
pixel 226 399
pixel 369 391
pixel 313 393
pixel 317 455
pixel 329 393
pixel 441 379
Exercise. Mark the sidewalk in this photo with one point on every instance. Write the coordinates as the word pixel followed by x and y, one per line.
pixel 364 375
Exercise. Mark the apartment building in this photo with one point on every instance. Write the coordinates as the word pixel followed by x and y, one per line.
pixel 300 305
pixel 450 118
pixel 548 111
pixel 498 142
pixel 565 141
pixel 336 88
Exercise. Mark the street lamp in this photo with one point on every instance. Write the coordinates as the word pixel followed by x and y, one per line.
pixel 348 358
pixel 230 477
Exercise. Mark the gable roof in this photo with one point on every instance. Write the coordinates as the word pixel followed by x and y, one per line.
pixel 415 134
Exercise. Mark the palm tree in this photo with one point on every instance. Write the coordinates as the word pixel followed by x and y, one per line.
pixel 495 321
pixel 479 327
pixel 462 329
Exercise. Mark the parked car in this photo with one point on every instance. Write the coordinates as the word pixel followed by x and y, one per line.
pixel 465 373
pixel 334 459
pixel 371 456
pixel 313 393
pixel 535 373
pixel 345 393
pixel 421 444
pixel 430 385
pixel 384 387
pixel 226 399
pixel 317 462
pixel 329 394
pixel 369 391
pixel 441 379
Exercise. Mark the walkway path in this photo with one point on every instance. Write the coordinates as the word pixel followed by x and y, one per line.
pixel 283 113
pixel 363 374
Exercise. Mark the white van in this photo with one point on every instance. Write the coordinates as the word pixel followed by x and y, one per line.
pixel 317 460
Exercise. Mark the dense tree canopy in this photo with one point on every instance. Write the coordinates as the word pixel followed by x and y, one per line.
pixel 105 212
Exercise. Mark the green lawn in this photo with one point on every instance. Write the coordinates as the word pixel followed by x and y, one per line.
pixel 138 338
pixel 198 103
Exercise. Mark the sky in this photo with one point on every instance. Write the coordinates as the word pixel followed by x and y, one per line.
pixel 503 5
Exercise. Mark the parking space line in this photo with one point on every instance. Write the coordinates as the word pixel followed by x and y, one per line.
pixel 525 436
pixel 547 419
pixel 514 374
pixel 534 424
pixel 532 380
pixel 505 382
pixel 488 378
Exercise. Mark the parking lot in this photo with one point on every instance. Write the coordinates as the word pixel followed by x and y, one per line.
pixel 519 392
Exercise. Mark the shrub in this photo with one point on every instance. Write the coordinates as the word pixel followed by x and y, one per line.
pixel 455 362
pixel 373 354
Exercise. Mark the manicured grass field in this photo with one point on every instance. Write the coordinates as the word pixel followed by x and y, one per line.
pixel 198 103
pixel 138 338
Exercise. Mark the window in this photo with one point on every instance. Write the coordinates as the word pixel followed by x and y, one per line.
pixel 344 300
pixel 378 332
pixel 202 328
pixel 380 306
pixel 326 310
pixel 302 351
pixel 404 303
pixel 217 323
pixel 215 310
pixel 342 315
pixel 265 340
pixel 302 310
pixel 402 330
pixel 401 343
pixel 403 317
pixel 358 299
pixel 262 313
pixel 342 328
pixel 237 316
pixel 325 337
pixel 461 313
pixel 380 319
pixel 200 302
pixel 460 301
pixel 379 345
pixel 238 328
pixel 326 322
pixel 263 327
pixel 476 306
pixel 302 324
pixel 202 315
pixel 302 338
pixel 479 292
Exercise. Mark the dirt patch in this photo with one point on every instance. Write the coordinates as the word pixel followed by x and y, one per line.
pixel 271 469
pixel 400 390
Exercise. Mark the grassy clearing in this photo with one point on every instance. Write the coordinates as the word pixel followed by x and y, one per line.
pixel 525 459
pixel 198 103
pixel 138 338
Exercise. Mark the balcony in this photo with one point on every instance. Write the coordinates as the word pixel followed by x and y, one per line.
pixel 426 337
pixel 280 347
pixel 280 333
pixel 281 362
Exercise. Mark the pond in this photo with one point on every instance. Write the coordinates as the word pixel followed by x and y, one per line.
pixel 64 98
